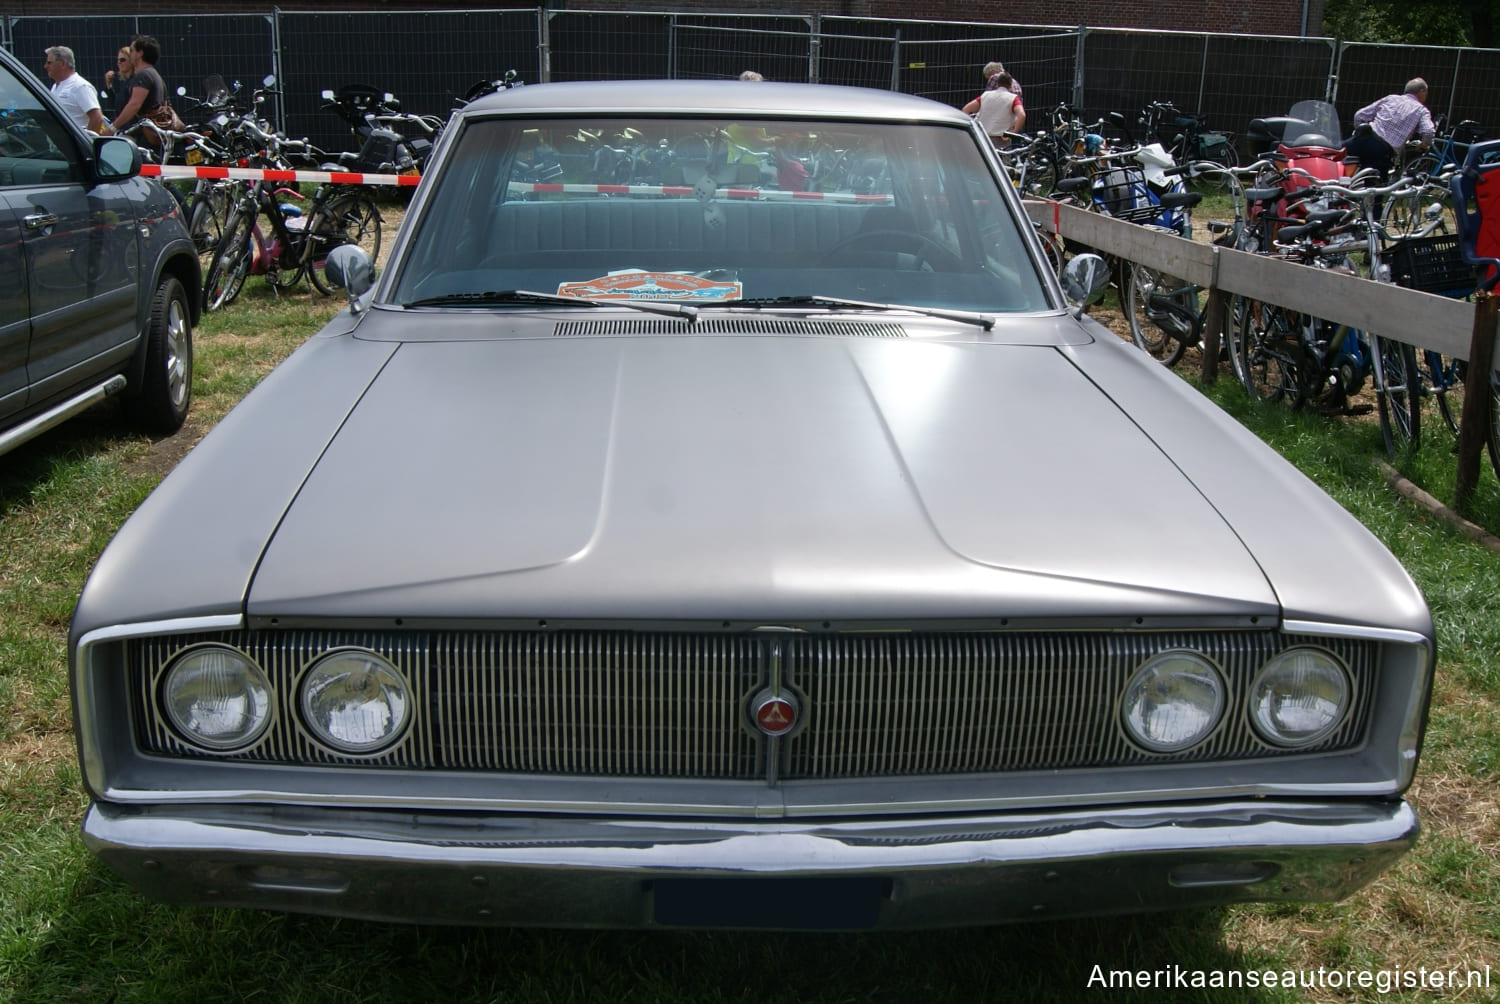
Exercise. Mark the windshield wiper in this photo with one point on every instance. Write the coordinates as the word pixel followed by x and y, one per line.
pixel 495 296
pixel 502 296
pixel 984 321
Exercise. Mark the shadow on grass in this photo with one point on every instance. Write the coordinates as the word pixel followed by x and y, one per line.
pixel 109 944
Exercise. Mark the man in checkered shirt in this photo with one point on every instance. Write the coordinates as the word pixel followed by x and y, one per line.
pixel 1392 121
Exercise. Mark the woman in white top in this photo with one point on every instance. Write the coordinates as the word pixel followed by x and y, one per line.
pixel 999 110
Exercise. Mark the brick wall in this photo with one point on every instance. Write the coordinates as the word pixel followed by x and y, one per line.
pixel 1269 17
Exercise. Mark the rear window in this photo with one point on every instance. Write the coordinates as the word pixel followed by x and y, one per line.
pixel 708 211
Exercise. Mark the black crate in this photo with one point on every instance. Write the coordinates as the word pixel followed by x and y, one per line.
pixel 1121 192
pixel 1432 264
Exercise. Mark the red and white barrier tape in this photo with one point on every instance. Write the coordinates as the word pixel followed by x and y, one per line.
pixel 525 187
pixel 169 171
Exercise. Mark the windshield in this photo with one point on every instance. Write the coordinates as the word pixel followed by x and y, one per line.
pixel 1322 125
pixel 702 211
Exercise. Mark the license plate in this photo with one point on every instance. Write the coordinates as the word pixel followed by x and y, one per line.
pixel 826 904
pixel 193 157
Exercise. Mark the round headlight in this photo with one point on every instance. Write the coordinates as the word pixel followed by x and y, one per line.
pixel 1172 702
pixel 354 701
pixel 1299 697
pixel 217 698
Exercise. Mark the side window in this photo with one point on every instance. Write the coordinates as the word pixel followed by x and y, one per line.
pixel 35 146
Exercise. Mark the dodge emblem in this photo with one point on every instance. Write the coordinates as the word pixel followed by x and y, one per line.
pixel 775 714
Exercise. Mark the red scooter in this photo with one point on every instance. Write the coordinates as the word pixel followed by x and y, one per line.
pixel 1307 142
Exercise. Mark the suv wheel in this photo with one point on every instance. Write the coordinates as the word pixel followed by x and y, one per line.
pixel 161 406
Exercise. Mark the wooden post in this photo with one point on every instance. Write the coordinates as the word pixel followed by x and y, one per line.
pixel 1214 325
pixel 1474 423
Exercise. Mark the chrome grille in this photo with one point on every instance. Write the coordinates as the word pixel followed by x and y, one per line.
pixel 622 704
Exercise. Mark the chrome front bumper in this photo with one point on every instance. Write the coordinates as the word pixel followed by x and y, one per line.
pixel 456 868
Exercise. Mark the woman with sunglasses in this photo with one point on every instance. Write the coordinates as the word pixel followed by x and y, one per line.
pixel 117 81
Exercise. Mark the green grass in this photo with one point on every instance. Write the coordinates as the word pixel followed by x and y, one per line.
pixel 69 931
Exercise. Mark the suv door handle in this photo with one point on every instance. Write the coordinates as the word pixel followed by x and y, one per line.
pixel 39 221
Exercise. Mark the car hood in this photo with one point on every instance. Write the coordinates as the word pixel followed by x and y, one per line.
pixel 723 477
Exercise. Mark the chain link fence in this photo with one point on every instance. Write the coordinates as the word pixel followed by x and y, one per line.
pixel 1230 78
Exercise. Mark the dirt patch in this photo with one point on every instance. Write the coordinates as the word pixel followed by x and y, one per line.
pixel 165 453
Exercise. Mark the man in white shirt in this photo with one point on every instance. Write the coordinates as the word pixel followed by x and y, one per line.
pixel 75 94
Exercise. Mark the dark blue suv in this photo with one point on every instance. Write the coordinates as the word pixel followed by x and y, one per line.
pixel 99 281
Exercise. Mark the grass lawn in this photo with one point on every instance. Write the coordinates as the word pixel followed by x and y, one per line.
pixel 70 932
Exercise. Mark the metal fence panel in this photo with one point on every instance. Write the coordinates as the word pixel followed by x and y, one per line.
pixel 1462 83
pixel 1247 77
pixel 443 53
pixel 1229 78
pixel 599 45
pixel 235 46
pixel 707 47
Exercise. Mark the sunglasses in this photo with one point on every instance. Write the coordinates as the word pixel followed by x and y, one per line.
pixel 121 59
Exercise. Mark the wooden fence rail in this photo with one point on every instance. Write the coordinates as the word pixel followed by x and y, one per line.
pixel 1452 327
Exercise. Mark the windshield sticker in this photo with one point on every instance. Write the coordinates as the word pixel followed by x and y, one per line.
pixel 636 284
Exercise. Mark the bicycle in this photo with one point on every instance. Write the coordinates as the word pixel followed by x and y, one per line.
pixel 299 242
pixel 1030 162
pixel 1166 314
pixel 1185 138
pixel 1320 364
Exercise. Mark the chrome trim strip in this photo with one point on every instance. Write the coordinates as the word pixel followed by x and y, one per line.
pixel 1355 631
pixel 177 625
pixel 774 805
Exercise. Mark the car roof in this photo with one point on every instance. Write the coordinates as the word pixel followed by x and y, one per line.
pixel 717 97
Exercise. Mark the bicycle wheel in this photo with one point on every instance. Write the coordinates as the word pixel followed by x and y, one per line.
pixel 1225 155
pixel 1398 394
pixel 1443 379
pixel 1258 350
pixel 1052 248
pixel 1161 322
pixel 1406 215
pixel 231 262
pixel 348 217
pixel 206 218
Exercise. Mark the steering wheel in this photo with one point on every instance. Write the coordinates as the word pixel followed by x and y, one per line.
pixel 928 254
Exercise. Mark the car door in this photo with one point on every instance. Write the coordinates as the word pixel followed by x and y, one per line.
pixel 15 316
pixel 78 244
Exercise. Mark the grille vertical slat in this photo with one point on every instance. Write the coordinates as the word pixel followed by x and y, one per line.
pixel 625 704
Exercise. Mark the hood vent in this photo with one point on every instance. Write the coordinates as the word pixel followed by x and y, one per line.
pixel 731 326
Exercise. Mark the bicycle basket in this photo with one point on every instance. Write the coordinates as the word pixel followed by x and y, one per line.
pixel 1121 192
pixel 1432 264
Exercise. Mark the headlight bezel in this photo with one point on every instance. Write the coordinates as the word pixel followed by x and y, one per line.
pixel 248 739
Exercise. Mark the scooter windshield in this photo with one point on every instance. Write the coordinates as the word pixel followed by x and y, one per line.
pixel 1322 125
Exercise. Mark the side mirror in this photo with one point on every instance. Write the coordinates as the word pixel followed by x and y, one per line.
pixel 181 91
pixel 326 95
pixel 1084 279
pixel 349 268
pixel 116 158
pixel 269 80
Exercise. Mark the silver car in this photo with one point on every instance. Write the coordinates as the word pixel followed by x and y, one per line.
pixel 716 515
